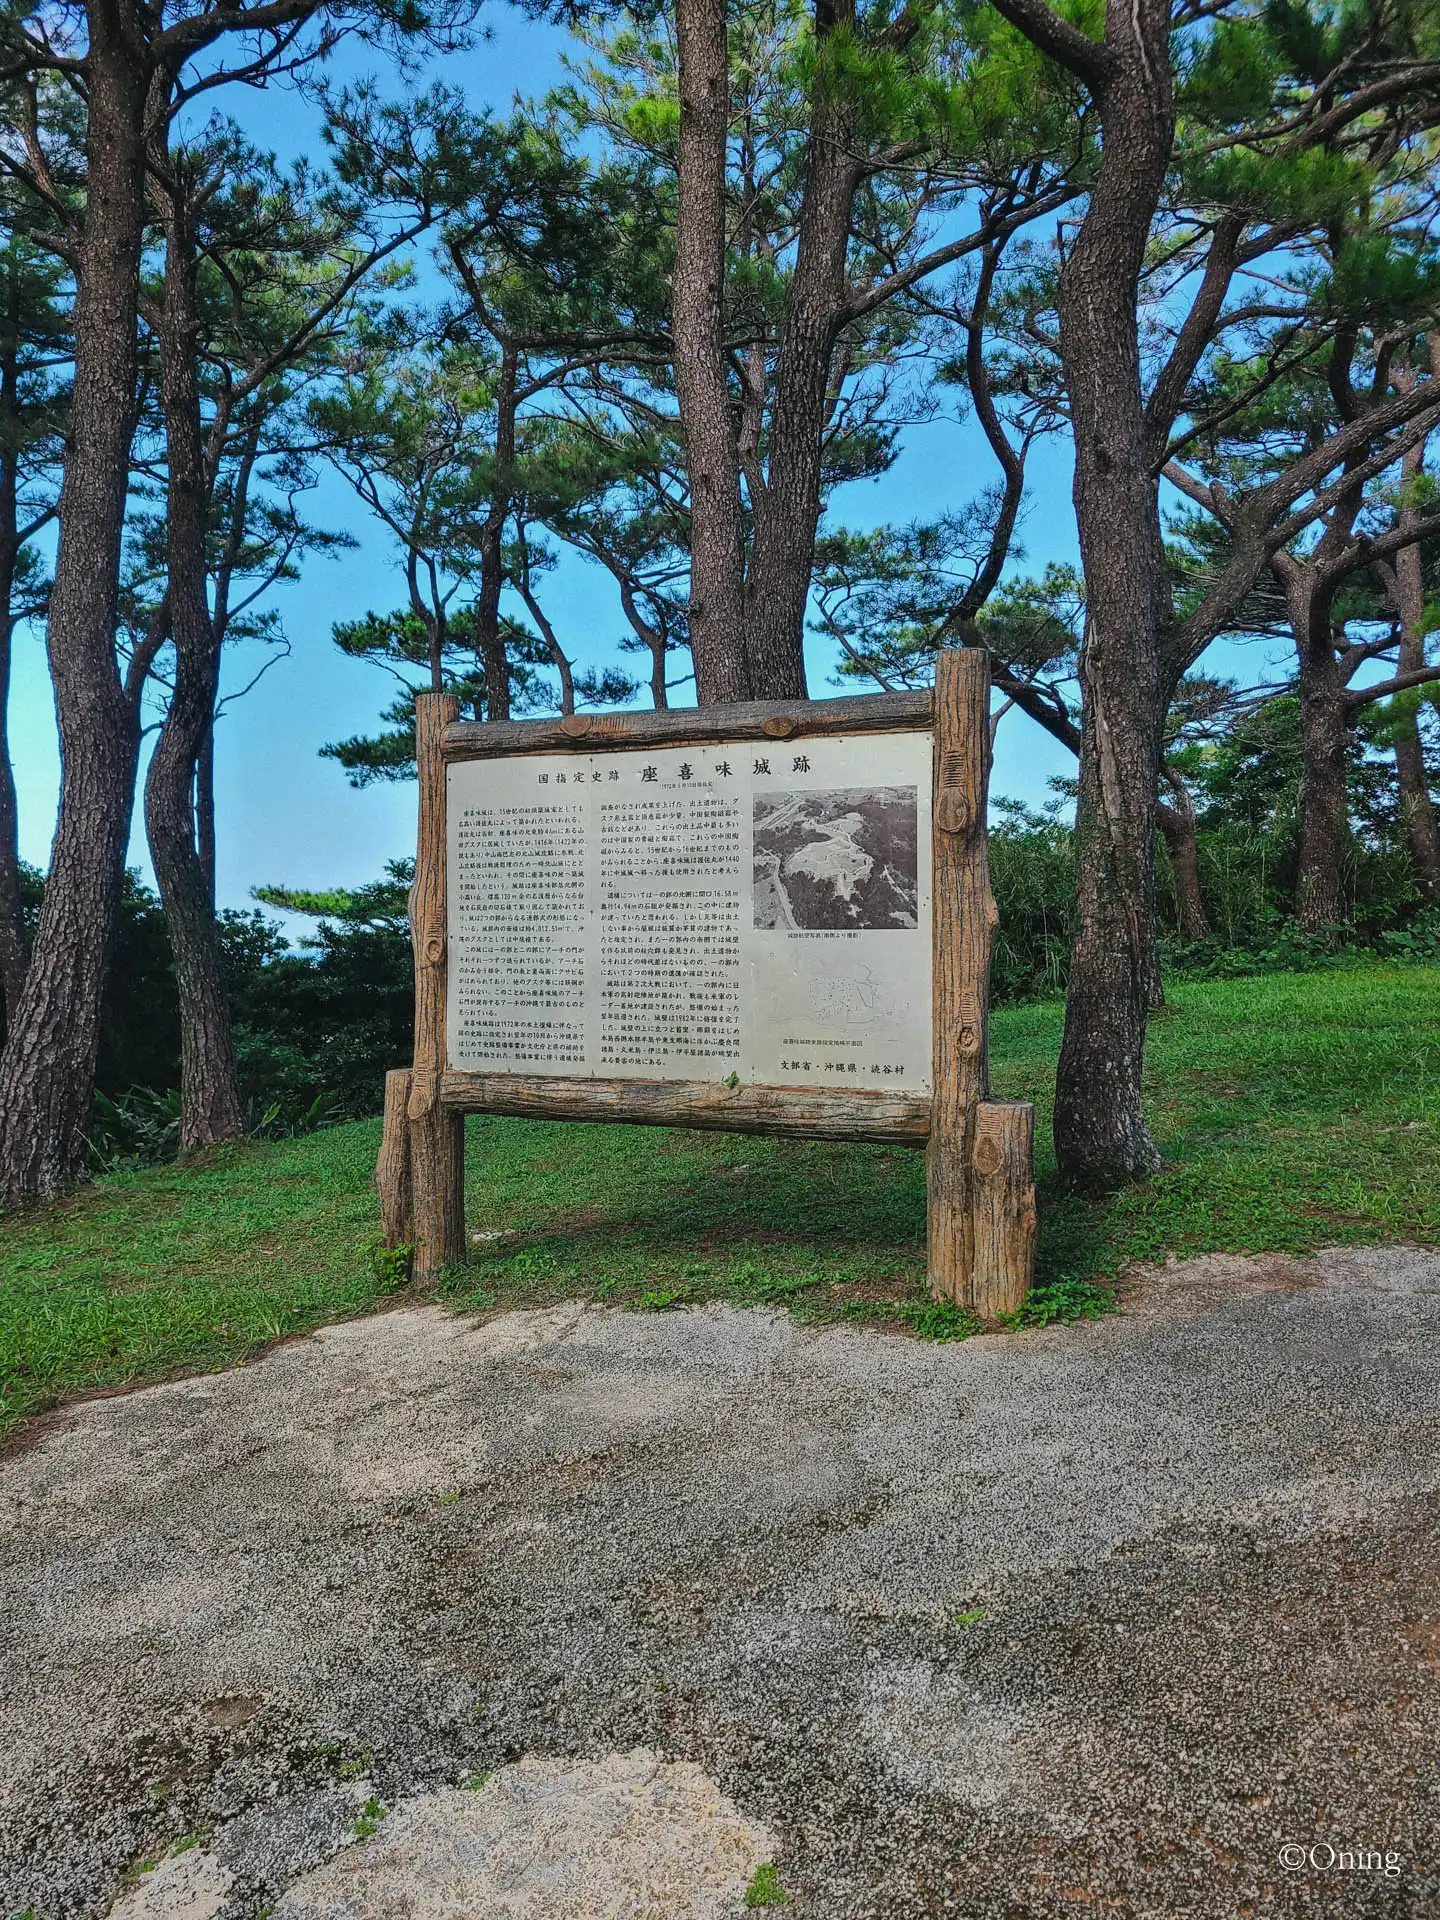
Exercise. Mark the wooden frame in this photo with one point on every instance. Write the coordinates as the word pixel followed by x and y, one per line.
pixel 979 1152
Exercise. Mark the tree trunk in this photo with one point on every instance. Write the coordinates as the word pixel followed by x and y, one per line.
pixel 788 513
pixel 47 1071
pixel 1101 1138
pixel 654 639
pixel 14 947
pixel 205 810
pixel 210 1103
pixel 1416 804
pixel 1324 750
pixel 488 642
pixel 1177 824
pixel 558 654
pixel 717 531
pixel 1324 814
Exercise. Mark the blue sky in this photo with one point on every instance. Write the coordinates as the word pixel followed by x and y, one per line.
pixel 286 816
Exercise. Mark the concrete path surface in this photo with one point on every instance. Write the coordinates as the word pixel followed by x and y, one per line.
pixel 589 1613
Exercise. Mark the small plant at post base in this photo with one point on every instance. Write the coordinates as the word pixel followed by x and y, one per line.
pixel 392 1265
pixel 765 1889
pixel 1061 1300
pixel 940 1320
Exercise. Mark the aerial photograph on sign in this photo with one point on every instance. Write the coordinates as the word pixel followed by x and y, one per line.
pixel 836 858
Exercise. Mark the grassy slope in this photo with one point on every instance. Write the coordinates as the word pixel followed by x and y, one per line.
pixel 1295 1111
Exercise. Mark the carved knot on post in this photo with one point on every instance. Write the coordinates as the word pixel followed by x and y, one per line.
pixel 952 811
pixel 778 727
pixel 424 1094
pixel 988 1155
pixel 434 949
pixel 970 1032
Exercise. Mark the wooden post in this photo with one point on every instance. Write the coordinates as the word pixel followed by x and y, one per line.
pixel 979 1255
pixel 437 1134
pixel 1002 1198
pixel 392 1167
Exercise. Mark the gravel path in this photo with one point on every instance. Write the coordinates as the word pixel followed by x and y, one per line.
pixel 1099 1618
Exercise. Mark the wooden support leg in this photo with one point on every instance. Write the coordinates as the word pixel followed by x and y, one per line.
pixel 437 1132
pixel 392 1168
pixel 437 1179
pixel 1002 1202
pixel 964 923
pixel 947 1220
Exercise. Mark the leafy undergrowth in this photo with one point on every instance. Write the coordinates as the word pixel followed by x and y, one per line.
pixel 1294 1111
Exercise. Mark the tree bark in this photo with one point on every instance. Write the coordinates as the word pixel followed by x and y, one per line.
pixel 14 946
pixel 1324 814
pixel 488 641
pixel 1177 825
pixel 205 810
pixel 788 511
pixel 1416 804
pixel 48 1068
pixel 1320 902
pixel 717 530
pixel 210 1105
pixel 1101 1139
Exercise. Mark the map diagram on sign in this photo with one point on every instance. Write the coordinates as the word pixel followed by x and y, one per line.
pixel 851 1001
pixel 836 858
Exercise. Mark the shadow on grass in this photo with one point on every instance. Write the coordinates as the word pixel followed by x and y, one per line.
pixel 833 1232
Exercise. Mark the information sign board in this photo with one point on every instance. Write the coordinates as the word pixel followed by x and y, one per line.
pixel 771 917
pixel 695 913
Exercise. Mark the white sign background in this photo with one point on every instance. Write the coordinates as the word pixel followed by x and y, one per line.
pixel 656 913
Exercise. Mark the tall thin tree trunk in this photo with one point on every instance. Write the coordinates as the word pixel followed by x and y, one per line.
pixel 1100 1134
pixel 782 562
pixel 1177 825
pixel 1324 749
pixel 1324 814
pixel 717 532
pixel 205 810
pixel 1416 804
pixel 210 1105
pixel 488 641
pixel 558 655
pixel 654 639
pixel 47 1072
pixel 14 947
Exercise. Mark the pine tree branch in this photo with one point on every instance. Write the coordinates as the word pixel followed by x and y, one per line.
pixel 1056 37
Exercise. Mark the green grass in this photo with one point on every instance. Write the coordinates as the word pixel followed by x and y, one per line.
pixel 765 1889
pixel 1294 1111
